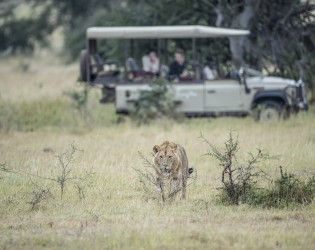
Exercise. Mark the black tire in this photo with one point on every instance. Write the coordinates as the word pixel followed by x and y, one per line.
pixel 83 65
pixel 269 111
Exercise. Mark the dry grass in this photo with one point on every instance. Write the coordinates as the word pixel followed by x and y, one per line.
pixel 37 81
pixel 113 213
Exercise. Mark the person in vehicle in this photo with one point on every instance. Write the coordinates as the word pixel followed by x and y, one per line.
pixel 178 66
pixel 208 70
pixel 151 63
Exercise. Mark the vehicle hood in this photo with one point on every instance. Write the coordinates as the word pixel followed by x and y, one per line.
pixel 269 82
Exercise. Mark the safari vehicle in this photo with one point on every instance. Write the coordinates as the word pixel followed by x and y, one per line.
pixel 241 93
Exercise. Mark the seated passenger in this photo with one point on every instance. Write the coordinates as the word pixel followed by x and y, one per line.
pixel 151 63
pixel 208 70
pixel 178 66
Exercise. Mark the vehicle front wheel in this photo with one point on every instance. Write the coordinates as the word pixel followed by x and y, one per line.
pixel 268 111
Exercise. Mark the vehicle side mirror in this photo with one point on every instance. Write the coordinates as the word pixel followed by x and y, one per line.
pixel 241 71
pixel 239 74
pixel 242 76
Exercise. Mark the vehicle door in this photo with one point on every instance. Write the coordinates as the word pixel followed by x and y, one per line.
pixel 223 95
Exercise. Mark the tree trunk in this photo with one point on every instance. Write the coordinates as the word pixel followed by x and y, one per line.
pixel 237 50
pixel 242 21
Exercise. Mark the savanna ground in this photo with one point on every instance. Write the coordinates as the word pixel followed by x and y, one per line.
pixel 39 122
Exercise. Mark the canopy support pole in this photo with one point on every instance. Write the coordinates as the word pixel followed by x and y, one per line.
pixel 165 51
pixel 194 55
pixel 159 54
pixel 125 58
pixel 200 59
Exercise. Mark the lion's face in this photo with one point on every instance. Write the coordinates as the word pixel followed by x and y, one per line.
pixel 165 157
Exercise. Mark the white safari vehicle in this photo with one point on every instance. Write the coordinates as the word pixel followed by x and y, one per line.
pixel 245 90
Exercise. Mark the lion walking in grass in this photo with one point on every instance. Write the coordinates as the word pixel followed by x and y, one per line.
pixel 171 166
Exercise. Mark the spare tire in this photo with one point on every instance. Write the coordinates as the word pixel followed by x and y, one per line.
pixel 83 65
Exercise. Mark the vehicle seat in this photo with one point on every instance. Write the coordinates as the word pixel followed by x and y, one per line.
pixel 103 68
pixel 133 70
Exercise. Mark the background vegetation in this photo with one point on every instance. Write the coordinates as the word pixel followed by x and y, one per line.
pixel 281 42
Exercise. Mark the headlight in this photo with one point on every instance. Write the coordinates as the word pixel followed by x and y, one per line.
pixel 301 95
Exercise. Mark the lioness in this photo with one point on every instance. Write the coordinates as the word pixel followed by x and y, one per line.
pixel 170 161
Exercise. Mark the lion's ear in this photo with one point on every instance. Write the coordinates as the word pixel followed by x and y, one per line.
pixel 174 148
pixel 156 149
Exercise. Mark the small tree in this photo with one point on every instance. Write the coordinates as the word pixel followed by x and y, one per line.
pixel 237 179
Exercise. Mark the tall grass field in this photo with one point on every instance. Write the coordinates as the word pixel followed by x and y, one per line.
pixel 103 204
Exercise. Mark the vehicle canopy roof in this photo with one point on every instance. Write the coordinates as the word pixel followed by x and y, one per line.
pixel 155 32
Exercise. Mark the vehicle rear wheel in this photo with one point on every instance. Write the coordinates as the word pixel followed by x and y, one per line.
pixel 269 111
pixel 83 65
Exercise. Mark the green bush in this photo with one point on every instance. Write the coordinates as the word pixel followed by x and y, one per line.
pixel 155 103
pixel 79 100
pixel 285 191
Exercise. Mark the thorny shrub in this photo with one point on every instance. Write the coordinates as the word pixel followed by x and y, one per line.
pixel 245 182
pixel 65 176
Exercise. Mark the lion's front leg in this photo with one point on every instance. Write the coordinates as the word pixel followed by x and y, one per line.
pixel 159 184
pixel 184 185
